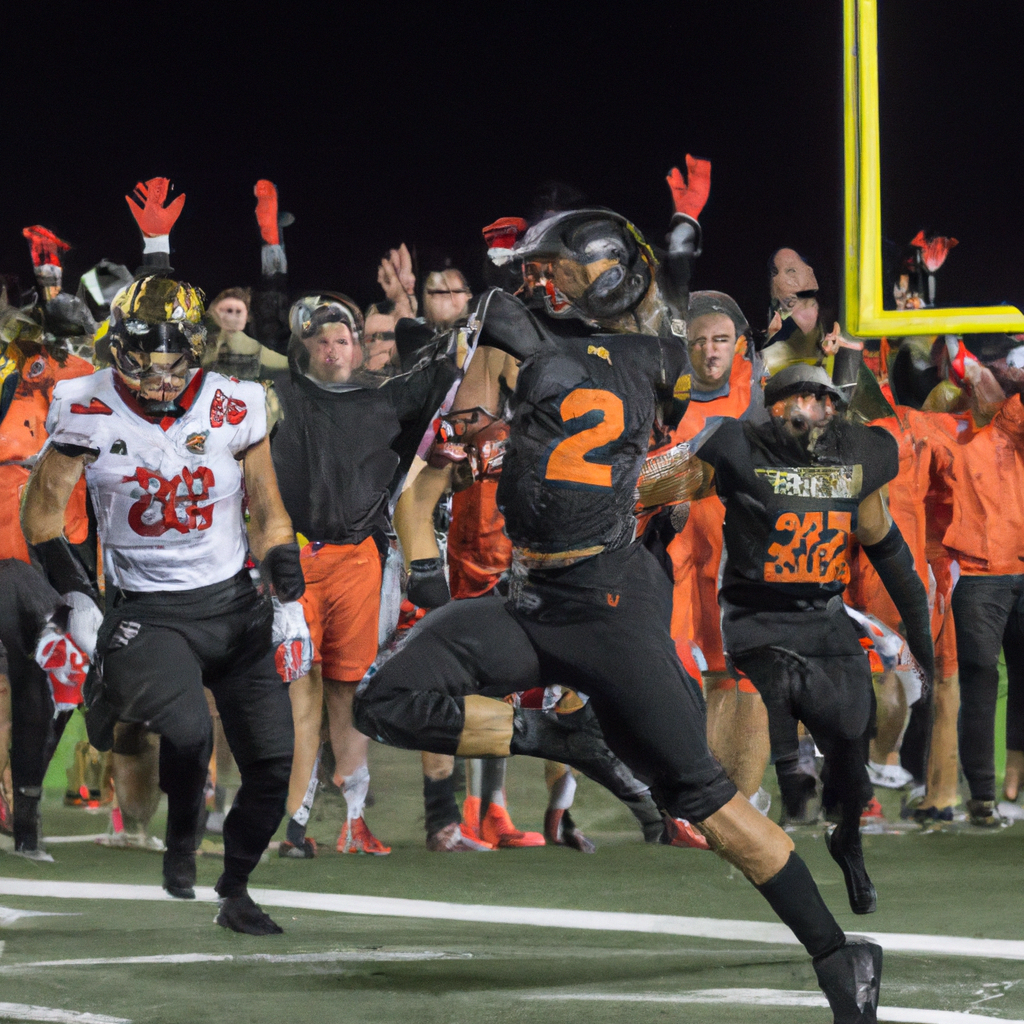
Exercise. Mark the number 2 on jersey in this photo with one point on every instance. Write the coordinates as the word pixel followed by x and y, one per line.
pixel 567 462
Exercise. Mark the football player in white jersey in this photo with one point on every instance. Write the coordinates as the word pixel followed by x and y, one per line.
pixel 172 455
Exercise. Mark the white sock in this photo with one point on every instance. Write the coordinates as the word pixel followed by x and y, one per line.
pixel 355 787
pixel 563 789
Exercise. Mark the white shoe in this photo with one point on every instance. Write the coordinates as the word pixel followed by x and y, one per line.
pixel 1009 811
pixel 38 854
pixel 132 841
pixel 889 776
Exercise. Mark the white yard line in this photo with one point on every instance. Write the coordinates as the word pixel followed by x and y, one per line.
pixel 333 956
pixel 542 917
pixel 23 1011
pixel 764 997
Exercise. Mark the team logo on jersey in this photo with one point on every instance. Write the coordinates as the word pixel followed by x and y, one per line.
pixel 601 352
pixel 681 392
pixel 94 408
pixel 815 481
pixel 171 504
pixel 222 407
pixel 196 443
pixel 808 548
pixel 119 448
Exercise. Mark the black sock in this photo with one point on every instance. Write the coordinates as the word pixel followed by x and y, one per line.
pixel 439 803
pixel 296 833
pixel 793 895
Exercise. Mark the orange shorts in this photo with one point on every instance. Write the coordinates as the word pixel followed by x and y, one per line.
pixel 342 605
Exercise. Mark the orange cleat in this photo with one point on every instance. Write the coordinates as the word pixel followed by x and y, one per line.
pixel 356 837
pixel 470 827
pixel 679 832
pixel 450 839
pixel 498 830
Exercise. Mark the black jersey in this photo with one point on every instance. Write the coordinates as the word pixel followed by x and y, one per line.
pixel 339 455
pixel 582 415
pixel 788 513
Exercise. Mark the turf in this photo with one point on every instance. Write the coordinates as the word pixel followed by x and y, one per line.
pixel 962 882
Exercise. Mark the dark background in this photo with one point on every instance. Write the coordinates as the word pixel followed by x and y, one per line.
pixel 386 124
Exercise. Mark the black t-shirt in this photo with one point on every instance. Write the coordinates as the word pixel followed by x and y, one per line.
pixel 789 514
pixel 582 415
pixel 338 454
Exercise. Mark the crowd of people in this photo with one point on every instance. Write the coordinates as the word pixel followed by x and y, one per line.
pixel 587 514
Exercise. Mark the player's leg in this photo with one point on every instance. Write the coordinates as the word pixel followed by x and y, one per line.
pixel 348 579
pixel 256 713
pixel 306 695
pixel 152 675
pixel 738 729
pixel 981 608
pixel 6 786
pixel 135 766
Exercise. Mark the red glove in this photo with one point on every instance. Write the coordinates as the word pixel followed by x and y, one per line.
pixel 154 219
pixel 690 195
pixel 933 250
pixel 504 232
pixel 45 245
pixel 959 357
pixel 65 666
pixel 266 211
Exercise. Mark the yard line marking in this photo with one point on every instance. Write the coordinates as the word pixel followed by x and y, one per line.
pixel 333 956
pixel 8 915
pixel 23 1011
pixel 767 997
pixel 92 837
pixel 541 917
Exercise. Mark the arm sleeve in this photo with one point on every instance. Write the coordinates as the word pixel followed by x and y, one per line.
pixel 508 325
pixel 894 563
pixel 253 426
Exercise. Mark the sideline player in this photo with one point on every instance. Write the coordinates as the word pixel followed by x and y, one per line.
pixel 593 610
pixel 165 449
pixel 795 488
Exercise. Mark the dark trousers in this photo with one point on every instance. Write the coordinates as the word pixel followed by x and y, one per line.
pixel 988 612
pixel 159 651
pixel 26 602
pixel 600 627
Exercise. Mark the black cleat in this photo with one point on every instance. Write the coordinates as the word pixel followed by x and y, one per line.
pixel 561 830
pixel 241 914
pixel 850 978
pixel 847 852
pixel 180 875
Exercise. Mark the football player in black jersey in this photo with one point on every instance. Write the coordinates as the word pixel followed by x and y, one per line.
pixel 795 488
pixel 593 607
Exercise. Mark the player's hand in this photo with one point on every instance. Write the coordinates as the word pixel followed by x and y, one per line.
pixel 933 250
pixel 285 571
pixel 690 194
pixel 834 341
pixel 428 587
pixel 154 219
pixel 65 664
pixel 45 245
pixel 266 211
pixel 293 645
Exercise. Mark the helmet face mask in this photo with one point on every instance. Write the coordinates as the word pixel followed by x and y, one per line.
pixel 157 335
pixel 594 260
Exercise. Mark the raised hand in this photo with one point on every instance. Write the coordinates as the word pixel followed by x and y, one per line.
pixel 690 194
pixel 45 245
pixel 266 211
pixel 154 219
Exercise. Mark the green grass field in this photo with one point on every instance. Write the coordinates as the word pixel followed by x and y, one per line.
pixel 373 967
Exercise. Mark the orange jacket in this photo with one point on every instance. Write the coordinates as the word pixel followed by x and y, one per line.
pixel 22 436
pixel 982 469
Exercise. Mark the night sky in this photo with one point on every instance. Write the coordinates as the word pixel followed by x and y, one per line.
pixel 425 124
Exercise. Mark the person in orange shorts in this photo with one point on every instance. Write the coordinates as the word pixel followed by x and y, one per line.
pixel 726 381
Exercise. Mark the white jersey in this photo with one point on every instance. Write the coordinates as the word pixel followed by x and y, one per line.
pixel 167 496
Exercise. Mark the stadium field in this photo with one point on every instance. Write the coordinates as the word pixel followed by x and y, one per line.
pixel 634 932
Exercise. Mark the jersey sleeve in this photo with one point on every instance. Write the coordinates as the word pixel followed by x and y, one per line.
pixel 882 461
pixel 252 428
pixel 72 432
pixel 508 325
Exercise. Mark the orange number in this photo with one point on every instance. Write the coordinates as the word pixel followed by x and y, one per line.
pixel 568 460
pixel 809 548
